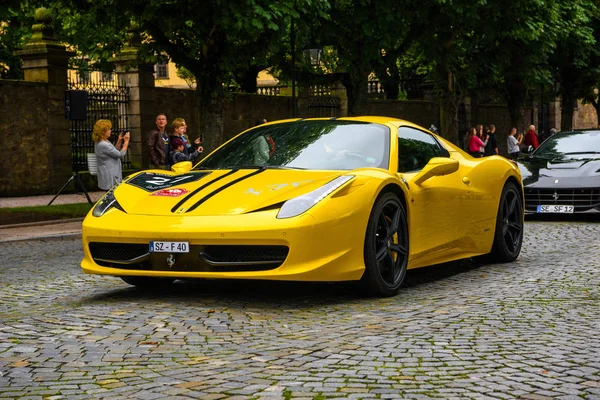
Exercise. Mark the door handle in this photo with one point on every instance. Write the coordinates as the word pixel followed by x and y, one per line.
pixel 466 181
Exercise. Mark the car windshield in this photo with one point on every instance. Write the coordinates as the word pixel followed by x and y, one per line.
pixel 311 145
pixel 580 144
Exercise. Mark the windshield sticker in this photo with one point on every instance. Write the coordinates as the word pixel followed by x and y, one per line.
pixel 172 192
pixel 151 181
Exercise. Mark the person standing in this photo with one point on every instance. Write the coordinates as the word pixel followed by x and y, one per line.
pixel 158 144
pixel 514 144
pixel 178 154
pixel 484 138
pixel 179 128
pixel 475 143
pixel 108 156
pixel 491 148
pixel 531 138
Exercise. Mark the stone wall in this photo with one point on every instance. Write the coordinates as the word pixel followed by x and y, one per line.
pixel 585 117
pixel 241 111
pixel 25 138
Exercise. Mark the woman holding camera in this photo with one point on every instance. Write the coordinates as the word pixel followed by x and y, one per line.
pixel 108 156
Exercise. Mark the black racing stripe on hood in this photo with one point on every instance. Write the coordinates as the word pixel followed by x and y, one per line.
pixel 186 198
pixel 208 196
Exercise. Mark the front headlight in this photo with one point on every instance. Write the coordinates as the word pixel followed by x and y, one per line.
pixel 107 202
pixel 300 204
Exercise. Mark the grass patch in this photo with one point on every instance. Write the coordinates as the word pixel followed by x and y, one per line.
pixel 18 215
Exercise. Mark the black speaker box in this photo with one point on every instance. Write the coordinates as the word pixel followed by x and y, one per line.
pixel 76 105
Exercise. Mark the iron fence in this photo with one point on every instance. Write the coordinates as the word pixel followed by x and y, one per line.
pixel 107 98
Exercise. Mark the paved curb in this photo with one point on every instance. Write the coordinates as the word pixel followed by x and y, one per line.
pixel 37 231
pixel 41 223
pixel 60 236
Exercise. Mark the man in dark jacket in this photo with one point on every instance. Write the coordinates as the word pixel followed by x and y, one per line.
pixel 158 144
pixel 491 149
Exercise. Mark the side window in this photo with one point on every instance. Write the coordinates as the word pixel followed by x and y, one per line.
pixel 416 148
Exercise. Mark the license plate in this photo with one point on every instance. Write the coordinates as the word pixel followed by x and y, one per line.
pixel 169 247
pixel 555 209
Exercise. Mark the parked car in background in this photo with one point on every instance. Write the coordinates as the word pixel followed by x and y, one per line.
pixel 563 174
pixel 347 199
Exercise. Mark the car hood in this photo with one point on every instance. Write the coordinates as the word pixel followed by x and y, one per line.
pixel 216 192
pixel 560 172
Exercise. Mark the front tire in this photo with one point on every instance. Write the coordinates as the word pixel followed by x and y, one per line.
pixel 147 282
pixel 508 237
pixel 386 247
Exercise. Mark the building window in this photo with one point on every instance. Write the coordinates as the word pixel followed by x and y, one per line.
pixel 162 67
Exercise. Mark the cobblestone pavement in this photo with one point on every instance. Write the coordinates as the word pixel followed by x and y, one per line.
pixel 527 330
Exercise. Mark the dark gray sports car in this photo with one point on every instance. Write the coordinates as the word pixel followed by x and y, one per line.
pixel 563 174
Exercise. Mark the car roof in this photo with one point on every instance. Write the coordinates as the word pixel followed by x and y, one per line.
pixel 364 118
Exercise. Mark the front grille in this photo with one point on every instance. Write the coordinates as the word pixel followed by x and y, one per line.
pixel 117 252
pixel 581 199
pixel 246 254
pixel 212 258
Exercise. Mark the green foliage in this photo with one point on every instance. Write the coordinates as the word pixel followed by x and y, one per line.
pixel 16 18
pixel 187 76
pixel 43 213
pixel 461 46
pixel 72 210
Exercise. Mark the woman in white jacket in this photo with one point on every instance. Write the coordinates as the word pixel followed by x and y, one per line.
pixel 108 156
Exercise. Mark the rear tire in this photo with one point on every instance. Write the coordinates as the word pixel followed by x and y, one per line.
pixel 508 237
pixel 147 282
pixel 386 247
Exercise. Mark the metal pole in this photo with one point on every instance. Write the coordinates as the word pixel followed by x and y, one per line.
pixel 293 40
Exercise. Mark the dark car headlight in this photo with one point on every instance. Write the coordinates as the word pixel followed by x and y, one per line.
pixel 107 202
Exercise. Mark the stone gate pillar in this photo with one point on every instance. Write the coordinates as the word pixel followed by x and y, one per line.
pixel 139 77
pixel 46 60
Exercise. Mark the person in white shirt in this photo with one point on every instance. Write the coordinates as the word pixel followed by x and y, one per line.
pixel 514 144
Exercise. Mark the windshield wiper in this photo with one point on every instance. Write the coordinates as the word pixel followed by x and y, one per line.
pixel 583 152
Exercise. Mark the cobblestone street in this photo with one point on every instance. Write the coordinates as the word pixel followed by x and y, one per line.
pixel 530 330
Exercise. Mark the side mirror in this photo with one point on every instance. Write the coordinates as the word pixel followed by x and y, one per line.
pixel 182 167
pixel 437 166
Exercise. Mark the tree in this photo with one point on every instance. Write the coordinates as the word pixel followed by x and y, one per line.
pixel 516 42
pixel 211 40
pixel 449 46
pixel 16 18
pixel 577 57
pixel 368 36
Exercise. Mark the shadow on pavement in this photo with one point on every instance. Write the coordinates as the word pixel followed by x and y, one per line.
pixel 271 294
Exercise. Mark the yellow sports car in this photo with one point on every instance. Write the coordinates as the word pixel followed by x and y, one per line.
pixel 341 199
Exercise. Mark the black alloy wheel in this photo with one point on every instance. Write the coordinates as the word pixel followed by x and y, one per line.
pixel 386 247
pixel 508 237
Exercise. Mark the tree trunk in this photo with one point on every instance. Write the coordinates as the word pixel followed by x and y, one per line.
pixel 356 88
pixel 449 116
pixel 596 105
pixel 247 79
pixel 569 102
pixel 516 92
pixel 388 74
pixel 212 105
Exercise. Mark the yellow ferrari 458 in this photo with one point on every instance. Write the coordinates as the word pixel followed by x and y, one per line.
pixel 342 199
